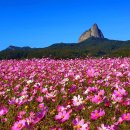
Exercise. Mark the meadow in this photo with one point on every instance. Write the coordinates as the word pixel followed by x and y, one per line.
pixel 78 94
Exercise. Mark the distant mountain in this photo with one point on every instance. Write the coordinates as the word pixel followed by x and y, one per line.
pixel 17 48
pixel 92 47
pixel 94 31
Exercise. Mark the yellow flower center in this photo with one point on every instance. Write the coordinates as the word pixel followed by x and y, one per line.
pixel 77 100
pixel 62 117
pixel 97 114
pixel 126 117
pixel 19 125
pixel 26 107
pixel 79 126
pixel 99 98
pixel 40 106
pixel 119 93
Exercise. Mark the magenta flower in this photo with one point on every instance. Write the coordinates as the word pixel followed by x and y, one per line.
pixel 20 115
pixel 80 124
pixel 107 103
pixel 73 89
pixel 16 87
pixel 101 92
pixel 97 114
pixel 126 116
pixel 97 99
pixel 91 72
pixel 120 120
pixel 3 111
pixel 40 115
pixel 39 99
pixel 41 106
pixel 120 92
pixel 63 116
pixel 4 120
pixel 44 90
pixel 107 127
pixel 60 108
pixel 19 125
pixel 126 102
pixel 116 98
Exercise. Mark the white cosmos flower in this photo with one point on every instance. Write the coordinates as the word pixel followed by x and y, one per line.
pixel 29 81
pixel 77 77
pixel 86 91
pixel 77 100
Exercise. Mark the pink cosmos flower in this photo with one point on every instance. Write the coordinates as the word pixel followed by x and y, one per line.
pixel 63 116
pixel 39 99
pixel 107 127
pixel 97 99
pixel 120 120
pixel 34 118
pixel 126 102
pixel 20 115
pixel 16 87
pixel 41 106
pixel 4 120
pixel 126 116
pixel 30 121
pixel 3 111
pixel 92 89
pixel 60 108
pixel 44 90
pixel 40 115
pixel 80 124
pixel 91 72
pixel 19 125
pixel 73 89
pixel 51 94
pixel 120 92
pixel 117 98
pixel 119 74
pixel 101 92
pixel 97 114
pixel 32 114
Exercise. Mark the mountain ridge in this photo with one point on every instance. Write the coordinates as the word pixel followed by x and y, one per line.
pixel 92 47
pixel 11 47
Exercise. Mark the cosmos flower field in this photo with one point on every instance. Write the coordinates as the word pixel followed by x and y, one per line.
pixel 79 94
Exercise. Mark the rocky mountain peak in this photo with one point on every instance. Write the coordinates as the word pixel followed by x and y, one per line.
pixel 95 26
pixel 94 31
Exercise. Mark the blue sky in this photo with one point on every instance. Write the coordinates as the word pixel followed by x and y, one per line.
pixel 40 23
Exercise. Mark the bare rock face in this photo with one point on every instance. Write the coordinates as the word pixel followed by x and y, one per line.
pixel 93 32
